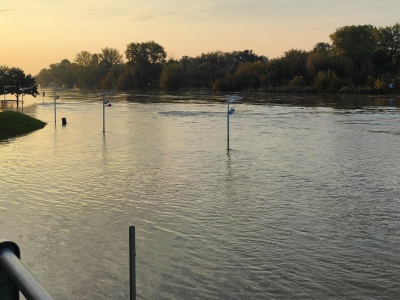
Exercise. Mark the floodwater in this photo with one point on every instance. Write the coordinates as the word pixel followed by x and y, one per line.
pixel 305 205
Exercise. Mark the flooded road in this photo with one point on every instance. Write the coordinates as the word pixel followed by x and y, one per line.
pixel 305 205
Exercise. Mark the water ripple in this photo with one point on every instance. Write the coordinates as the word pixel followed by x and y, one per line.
pixel 304 206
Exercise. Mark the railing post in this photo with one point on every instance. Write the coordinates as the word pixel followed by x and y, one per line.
pixel 132 263
pixel 20 276
pixel 8 290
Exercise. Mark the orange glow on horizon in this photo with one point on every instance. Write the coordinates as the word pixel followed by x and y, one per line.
pixel 36 34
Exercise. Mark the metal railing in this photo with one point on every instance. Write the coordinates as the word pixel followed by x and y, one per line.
pixel 15 277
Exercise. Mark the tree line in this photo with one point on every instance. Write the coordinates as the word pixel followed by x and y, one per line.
pixel 359 58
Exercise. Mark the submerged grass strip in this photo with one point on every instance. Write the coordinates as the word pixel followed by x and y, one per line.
pixel 13 124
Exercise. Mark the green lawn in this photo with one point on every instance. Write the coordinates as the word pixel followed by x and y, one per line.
pixel 13 124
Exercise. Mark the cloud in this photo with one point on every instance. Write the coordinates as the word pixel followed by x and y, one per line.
pixel 155 12
pixel 4 10
pixel 356 6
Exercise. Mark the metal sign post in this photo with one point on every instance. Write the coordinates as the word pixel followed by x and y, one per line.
pixel 230 111
pixel 55 107
pixel 23 89
pixel 132 262
pixel 104 113
pixel 105 103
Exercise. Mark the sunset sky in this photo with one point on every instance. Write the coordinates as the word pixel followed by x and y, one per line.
pixel 37 33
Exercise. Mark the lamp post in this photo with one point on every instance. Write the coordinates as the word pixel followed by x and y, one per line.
pixel 23 89
pixel 104 112
pixel 55 86
pixel 55 105
pixel 227 127
pixel 230 111
pixel 105 103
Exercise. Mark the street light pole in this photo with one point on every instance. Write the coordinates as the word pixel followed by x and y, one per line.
pixel 230 111
pixel 22 93
pixel 104 112
pixel 55 86
pixel 227 147
pixel 55 106
pixel 105 103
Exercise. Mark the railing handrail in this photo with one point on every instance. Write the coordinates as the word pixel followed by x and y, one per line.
pixel 15 277
pixel 21 279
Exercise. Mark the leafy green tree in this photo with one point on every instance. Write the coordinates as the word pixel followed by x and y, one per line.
pixel 3 78
pixel 207 73
pixel 225 84
pixel 44 77
pixel 87 69
pixel 387 56
pixel 322 47
pixel 298 82
pixel 282 70
pixel 343 67
pixel 295 62
pixel 172 76
pixel 148 52
pixel 110 81
pixel 15 82
pixel 328 82
pixel 380 85
pixel 244 56
pixel 319 59
pixel 250 75
pixel 202 70
pixel 109 58
pixel 64 73
pixel 216 69
pixel 322 58
pixel 126 81
pixel 189 66
pixel 276 72
pixel 147 60
pixel 356 42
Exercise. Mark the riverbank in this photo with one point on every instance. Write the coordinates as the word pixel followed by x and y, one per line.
pixel 13 124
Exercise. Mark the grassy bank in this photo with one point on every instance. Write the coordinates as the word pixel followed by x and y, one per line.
pixel 13 124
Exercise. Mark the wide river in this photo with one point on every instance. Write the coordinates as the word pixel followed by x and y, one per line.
pixel 305 205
